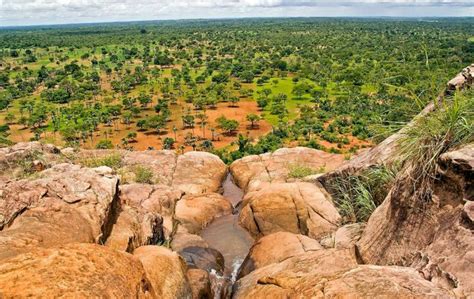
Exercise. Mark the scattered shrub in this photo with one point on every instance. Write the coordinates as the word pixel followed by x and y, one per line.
pixel 143 175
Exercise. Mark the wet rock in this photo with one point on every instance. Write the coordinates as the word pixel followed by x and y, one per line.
pixel 165 271
pixel 72 271
pixel 195 212
pixel 182 240
pixel 275 248
pixel 198 173
pixel 251 171
pixel 207 259
pixel 334 273
pixel 299 208
pixel 200 284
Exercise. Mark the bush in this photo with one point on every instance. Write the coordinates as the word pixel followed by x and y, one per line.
pixel 449 126
pixel 104 144
pixel 357 196
pixel 143 175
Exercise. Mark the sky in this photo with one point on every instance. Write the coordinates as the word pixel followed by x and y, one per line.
pixel 35 12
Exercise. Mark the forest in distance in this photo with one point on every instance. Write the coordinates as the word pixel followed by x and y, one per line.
pixel 230 87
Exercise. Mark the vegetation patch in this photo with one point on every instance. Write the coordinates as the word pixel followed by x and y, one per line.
pixel 449 126
pixel 143 175
pixel 113 161
pixel 357 196
pixel 299 171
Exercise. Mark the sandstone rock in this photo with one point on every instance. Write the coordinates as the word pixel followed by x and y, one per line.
pixel 300 208
pixel 462 80
pixel 276 248
pixel 74 271
pixel 199 172
pixel 345 237
pixel 154 199
pixel 68 203
pixel 44 227
pixel 251 171
pixel 133 229
pixel 207 259
pixel 429 231
pixel 161 163
pixel 196 212
pixel 182 240
pixel 200 284
pixel 165 271
pixel 333 273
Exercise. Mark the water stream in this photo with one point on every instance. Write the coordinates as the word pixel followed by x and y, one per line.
pixel 226 235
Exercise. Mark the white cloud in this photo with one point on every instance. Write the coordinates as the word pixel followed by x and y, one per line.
pixel 24 12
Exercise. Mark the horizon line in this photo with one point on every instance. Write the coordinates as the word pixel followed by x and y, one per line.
pixel 234 18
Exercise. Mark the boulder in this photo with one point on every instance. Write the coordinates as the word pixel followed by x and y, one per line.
pixel 275 248
pixel 204 258
pixel 251 171
pixel 67 204
pixel 345 237
pixel 299 208
pixel 74 271
pixel 334 273
pixel 430 231
pixel 200 284
pixel 161 163
pixel 198 173
pixel 133 229
pixel 195 212
pixel 44 227
pixel 165 271
pixel 182 240
pixel 154 199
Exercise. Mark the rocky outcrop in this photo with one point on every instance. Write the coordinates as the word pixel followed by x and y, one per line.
pixel 334 273
pixel 276 248
pixel 195 212
pixel 251 171
pixel 26 157
pixel 433 231
pixel 198 173
pixel 345 237
pixel 67 204
pixel 152 199
pixel 192 173
pixel 74 270
pixel 133 229
pixel 299 208
pixel 165 270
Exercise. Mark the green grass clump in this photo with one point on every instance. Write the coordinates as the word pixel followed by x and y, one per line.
pixel 113 161
pixel 143 175
pixel 357 196
pixel 448 127
pixel 298 171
